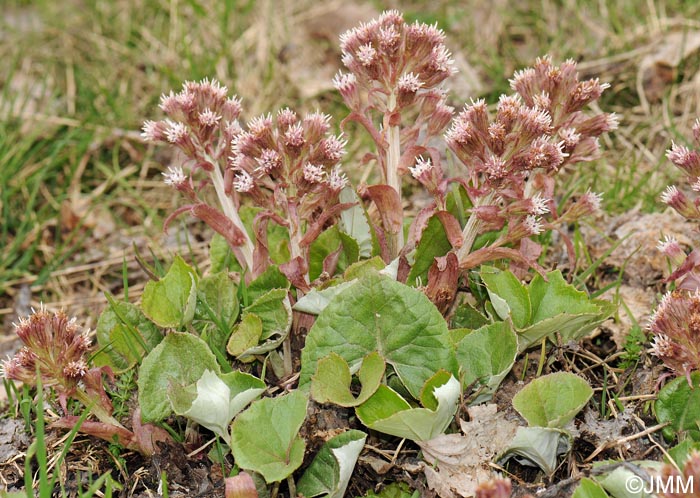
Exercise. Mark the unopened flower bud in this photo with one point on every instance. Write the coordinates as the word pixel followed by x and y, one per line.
pixel 686 159
pixel 670 248
pixel 678 201
pixel 316 125
pixel 154 131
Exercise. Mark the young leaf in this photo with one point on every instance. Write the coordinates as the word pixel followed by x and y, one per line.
pixel 179 359
pixel 617 482
pixel 486 356
pixel 433 243
pixel 537 446
pixel 329 242
pixel 552 400
pixel 265 439
pixel 679 404
pixel 508 296
pixel 275 314
pixel 588 488
pixel 272 278
pixel 217 301
pixel 246 335
pixel 386 411
pixel 125 335
pixel 220 254
pixel 332 467
pixel 215 399
pixel 170 302
pixel 379 314
pixel 332 380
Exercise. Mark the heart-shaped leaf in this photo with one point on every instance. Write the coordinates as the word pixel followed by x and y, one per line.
pixel 386 411
pixel 552 400
pixel 179 359
pixel 332 380
pixel 265 439
pixel 171 301
pixel 332 467
pixel 380 314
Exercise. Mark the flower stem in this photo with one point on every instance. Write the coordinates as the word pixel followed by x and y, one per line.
pixel 96 409
pixel 393 157
pixel 245 250
pixel 471 229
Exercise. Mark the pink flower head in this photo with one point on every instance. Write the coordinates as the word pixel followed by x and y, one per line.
pixel 314 173
pixel 154 131
pixel 243 182
pixel 174 177
pixel 676 326
pixel 54 345
pixel 678 201
pixel 337 180
pixel 686 159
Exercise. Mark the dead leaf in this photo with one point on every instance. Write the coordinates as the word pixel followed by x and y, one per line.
pixel 456 464
pixel 658 69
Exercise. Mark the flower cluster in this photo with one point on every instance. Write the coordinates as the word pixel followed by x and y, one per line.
pixel 395 71
pixel 676 327
pixel 685 268
pixel 55 349
pixel 511 158
pixel 202 123
pixel 290 167
pixel 287 165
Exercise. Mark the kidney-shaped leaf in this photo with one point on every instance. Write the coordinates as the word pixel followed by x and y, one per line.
pixel 179 359
pixel 552 400
pixel 386 411
pixel 332 467
pixel 265 439
pixel 380 314
pixel 332 380
pixel 171 301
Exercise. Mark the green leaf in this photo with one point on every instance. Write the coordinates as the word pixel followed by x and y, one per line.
pixel 363 268
pixel 485 356
pixel 386 411
pixel 215 399
pixel 433 243
pixel 217 301
pixel 220 254
pixel 170 302
pixel 275 314
pixel 393 490
pixel 353 221
pixel 265 439
pixel 588 488
pixel 271 278
pixel 328 242
pixel 682 451
pixel 125 335
pixel 537 446
pixel 332 380
pixel 466 316
pixel 179 359
pixel 552 400
pixel 624 480
pixel 277 236
pixel 380 314
pixel 245 336
pixel 330 471
pixel 508 296
pixel 679 404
